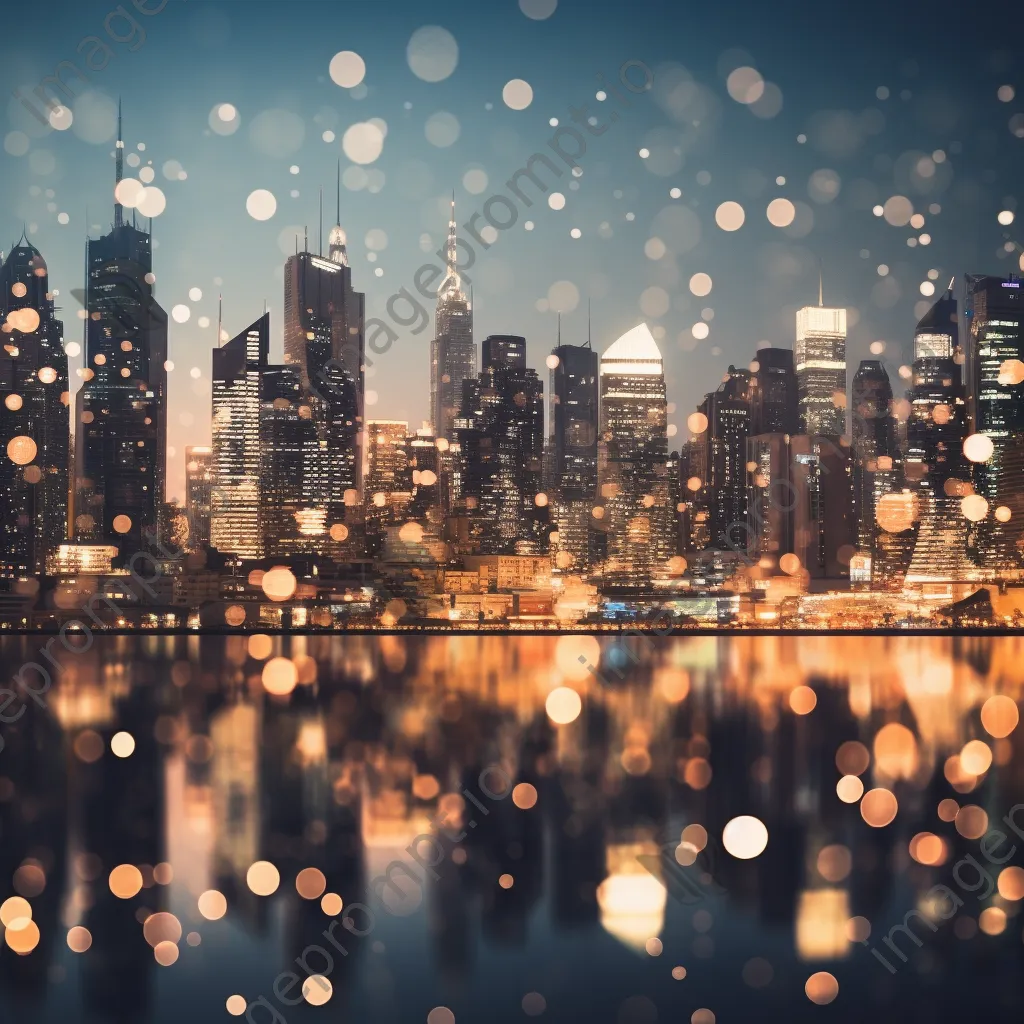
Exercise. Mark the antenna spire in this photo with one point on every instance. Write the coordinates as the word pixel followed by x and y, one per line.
pixel 220 317
pixel 118 169
pixel 952 281
pixel 320 234
pixel 451 286
pixel 559 330
pixel 305 238
pixel 588 324
pixel 338 220
pixel 821 286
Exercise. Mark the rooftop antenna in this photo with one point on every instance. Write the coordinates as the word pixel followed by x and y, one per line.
pixel 588 324
pixel 338 221
pixel 559 330
pixel 305 238
pixel 320 232
pixel 220 317
pixel 821 288
pixel 118 169
pixel 952 281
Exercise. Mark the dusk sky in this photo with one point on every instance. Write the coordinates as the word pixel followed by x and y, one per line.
pixel 853 106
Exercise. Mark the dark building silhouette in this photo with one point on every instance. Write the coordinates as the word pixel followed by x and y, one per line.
pixel 874 449
pixel 572 428
pixel 728 414
pixel 501 436
pixel 34 427
pixel 121 410
pixel 773 393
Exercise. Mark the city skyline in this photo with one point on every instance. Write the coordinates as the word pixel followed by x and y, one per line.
pixel 283 436
pixel 854 155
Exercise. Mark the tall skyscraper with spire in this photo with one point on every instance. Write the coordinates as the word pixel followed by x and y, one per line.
pixel 452 352
pixel 324 338
pixel 121 409
pixel 821 368
pixel 34 427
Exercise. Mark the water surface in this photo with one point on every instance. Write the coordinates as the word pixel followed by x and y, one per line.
pixel 569 899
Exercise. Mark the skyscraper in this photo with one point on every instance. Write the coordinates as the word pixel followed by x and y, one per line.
pixel 774 406
pixel 874 446
pixel 388 485
pixel 725 482
pixel 292 514
pixel 633 455
pixel 994 314
pixel 573 425
pixel 500 430
pixel 821 369
pixel 34 427
pixel 324 338
pixel 238 368
pixel 938 475
pixel 771 499
pixel 121 409
pixel 452 352
pixel 823 534
pixel 198 494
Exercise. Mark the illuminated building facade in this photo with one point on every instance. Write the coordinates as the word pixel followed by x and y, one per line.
pixel 937 472
pixel 292 519
pixel 820 357
pixel 121 410
pixel 34 423
pixel 388 485
pixel 238 368
pixel 634 489
pixel 994 315
pixel 324 338
pixel 198 494
pixel 425 471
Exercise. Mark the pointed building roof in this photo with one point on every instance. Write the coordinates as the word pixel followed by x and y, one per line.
pixel 635 345
pixel 941 318
pixel 23 243
pixel 451 287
